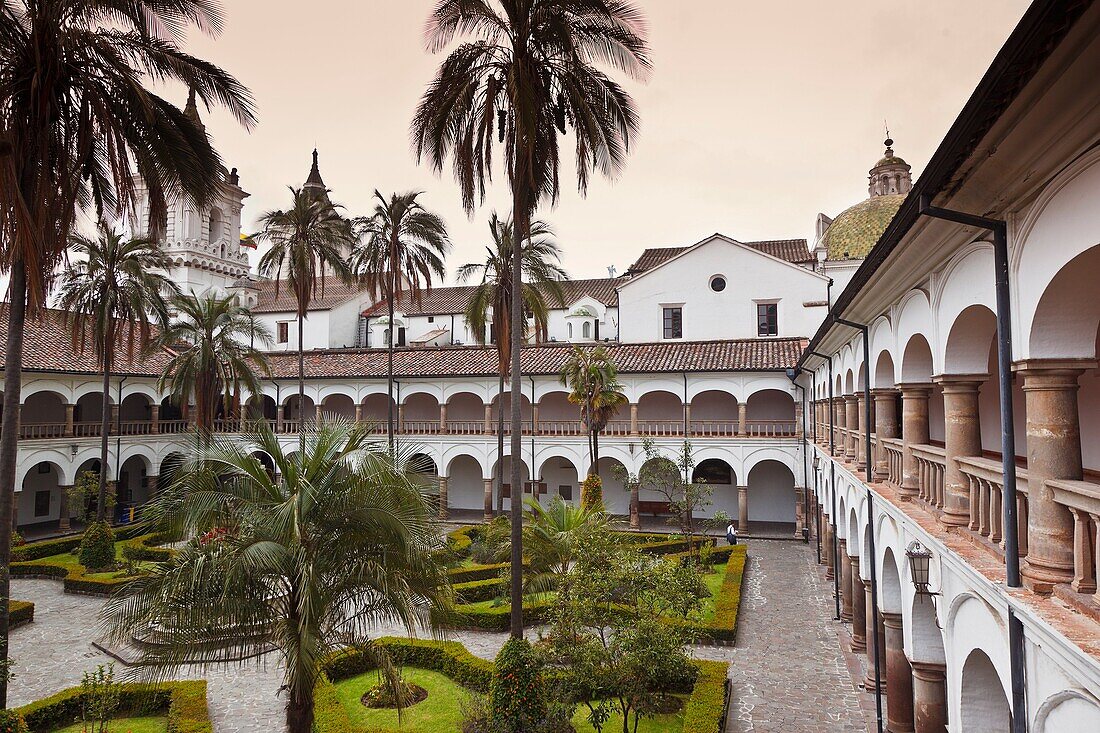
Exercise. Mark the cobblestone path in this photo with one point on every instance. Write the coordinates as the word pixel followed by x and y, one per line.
pixel 787 668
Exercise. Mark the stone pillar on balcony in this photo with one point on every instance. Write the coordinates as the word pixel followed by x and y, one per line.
pixel 839 416
pixel 1053 452
pixel 280 413
pixel 914 416
pixel 358 412
pixel 1084 552
pixel 798 419
pixel 861 421
pixel 70 410
pixel 929 697
pixel 743 509
pixel 535 418
pixel 742 417
pixel 799 511
pixel 827 550
pixel 154 418
pixel 400 418
pixel 488 426
pixel 859 610
pixel 443 513
pixel 871 632
pixel 899 677
pixel 488 507
pixel 845 582
pixel 64 520
pixel 114 418
pixel 886 428
pixel 962 438
pixel 634 418
pixel 851 421
pixel 443 418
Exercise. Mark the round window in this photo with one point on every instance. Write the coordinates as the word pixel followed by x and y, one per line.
pixel 718 283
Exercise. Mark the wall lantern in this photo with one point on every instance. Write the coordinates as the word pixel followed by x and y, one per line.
pixel 920 558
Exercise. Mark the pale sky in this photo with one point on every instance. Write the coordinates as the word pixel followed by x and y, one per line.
pixel 757 115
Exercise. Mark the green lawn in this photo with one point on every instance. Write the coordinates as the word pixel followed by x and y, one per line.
pixel 127 725
pixel 71 562
pixel 442 711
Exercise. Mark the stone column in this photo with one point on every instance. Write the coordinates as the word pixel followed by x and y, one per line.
pixel 827 549
pixel 914 416
pixel 115 427
pixel 743 509
pixel 535 419
pixel 742 417
pixel 899 677
pixel 962 438
pixel 443 514
pixel 443 418
pixel 487 428
pixel 845 582
pixel 1053 452
pixel 400 418
pixel 798 419
pixel 634 418
pixel 488 513
pixel 851 421
pixel 280 411
pixel 870 633
pixel 861 421
pixel 839 416
pixel 358 412
pixel 64 520
pixel 799 515
pixel 154 419
pixel 929 698
pixel 886 428
pixel 69 410
pixel 151 486
pixel 859 610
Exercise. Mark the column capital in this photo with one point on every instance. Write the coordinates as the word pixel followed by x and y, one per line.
pixel 850 398
pixel 960 382
pixel 890 619
pixel 885 392
pixel 929 671
pixel 915 389
pixel 1054 365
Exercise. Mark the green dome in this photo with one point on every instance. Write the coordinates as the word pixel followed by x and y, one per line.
pixel 891 160
pixel 857 229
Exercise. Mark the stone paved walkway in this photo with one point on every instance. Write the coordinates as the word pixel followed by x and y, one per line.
pixel 787 668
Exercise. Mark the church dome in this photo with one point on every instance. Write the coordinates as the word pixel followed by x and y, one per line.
pixel 857 229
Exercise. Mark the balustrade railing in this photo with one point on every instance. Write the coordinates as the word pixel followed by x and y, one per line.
pixel 931 466
pixel 986 486
pixel 1082 498
pixel 893 449
pixel 42 430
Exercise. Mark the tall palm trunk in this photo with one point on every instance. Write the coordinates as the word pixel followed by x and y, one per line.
pixel 389 370
pixel 104 432
pixel 301 383
pixel 500 439
pixel 520 217
pixel 595 452
pixel 9 446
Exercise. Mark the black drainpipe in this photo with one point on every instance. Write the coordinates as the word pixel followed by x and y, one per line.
pixel 999 228
pixel 832 486
pixel 869 474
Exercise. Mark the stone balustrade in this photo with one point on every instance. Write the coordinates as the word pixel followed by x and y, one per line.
pixel 931 466
pixel 892 448
pixel 986 481
pixel 1082 499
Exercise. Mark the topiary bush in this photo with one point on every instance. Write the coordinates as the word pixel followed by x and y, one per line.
pixel 517 696
pixel 97 548
pixel 592 493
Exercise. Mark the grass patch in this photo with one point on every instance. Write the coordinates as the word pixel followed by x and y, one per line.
pixel 670 723
pixel 442 711
pixel 155 724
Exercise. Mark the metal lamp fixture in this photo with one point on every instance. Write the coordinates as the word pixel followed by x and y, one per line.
pixel 920 559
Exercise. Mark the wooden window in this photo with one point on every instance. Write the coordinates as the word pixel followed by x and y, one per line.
pixel 767 319
pixel 282 332
pixel 41 503
pixel 673 323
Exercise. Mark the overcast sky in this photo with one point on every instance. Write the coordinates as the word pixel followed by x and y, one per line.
pixel 757 115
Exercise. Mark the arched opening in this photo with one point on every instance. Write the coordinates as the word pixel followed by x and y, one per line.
pixel 421 414
pixel 217 227
pixel 559 416
pixel 849 382
pixel 267 462
pixel 422 467
pixel 714 412
pixel 294 411
pixel 132 490
pixel 171 416
pixel 616 499
pixel 134 415
pixel 983 706
pixel 890 587
pixel 927 643
pixel 88 415
pixel 771 496
pixel 376 410
pixel 508 490
pixel 720 476
pixel 338 405
pixel 655 474
pixel 42 416
pixel 558 477
pixel 916 368
pixel 660 413
pixel 465 413
pixel 465 484
pixel 261 407
pixel 770 412
pixel 504 402
pixel 39 498
pixel 170 467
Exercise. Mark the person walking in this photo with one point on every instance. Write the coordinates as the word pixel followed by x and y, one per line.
pixel 731 533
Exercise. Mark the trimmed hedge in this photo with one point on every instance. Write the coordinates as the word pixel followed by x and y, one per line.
pixel 19 613
pixel 185 703
pixel 480 590
pixel 706 707
pixel 498 618
pixel 136 548
pixel 143 548
pixel 477 572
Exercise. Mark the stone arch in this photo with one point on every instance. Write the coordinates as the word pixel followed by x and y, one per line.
pixel 557 414
pixel 771 492
pixel 916 360
pixel 770 412
pixel 561 477
pixel 293 412
pixel 615 496
pixel 966 281
pixel 890 585
pixel 926 641
pixel 43 407
pixel 660 406
pixel 849 382
pixel 983 704
pixel 508 490
pixel 260 407
pixel 714 405
pixel 914 317
pixel 340 405
pixel 966 350
pixel 39 497
pixel 465 413
pixel 1068 710
pixel 855 537
pixel 376 408
pixel 420 413
pixel 885 376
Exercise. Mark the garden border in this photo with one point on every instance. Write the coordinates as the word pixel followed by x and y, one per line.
pixel 184 702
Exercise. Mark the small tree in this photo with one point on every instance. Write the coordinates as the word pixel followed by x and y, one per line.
pixel 81 493
pixel 674 481
pixel 99 699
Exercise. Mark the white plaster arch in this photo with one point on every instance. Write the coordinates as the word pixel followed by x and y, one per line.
pixel 146 454
pixel 1068 710
pixel 767 454
pixel 700 386
pixel 971 623
pixel 408 389
pixel 449 455
pixel 60 463
pixel 545 454
pixel 141 388
pixel 966 280
pixel 914 317
pixel 37 386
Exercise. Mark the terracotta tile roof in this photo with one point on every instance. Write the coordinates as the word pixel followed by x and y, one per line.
pixel 445 301
pixel 791 250
pixel 336 293
pixel 48 346
pixel 460 361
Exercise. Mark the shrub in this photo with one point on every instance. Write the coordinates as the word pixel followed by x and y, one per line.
pixel 12 722
pixel 592 493
pixel 446 657
pixel 482 552
pixel 184 701
pixel 517 697
pixel 706 707
pixel 97 548
pixel 16 541
pixel 19 613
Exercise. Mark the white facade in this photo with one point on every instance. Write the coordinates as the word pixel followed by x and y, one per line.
pixel 751 278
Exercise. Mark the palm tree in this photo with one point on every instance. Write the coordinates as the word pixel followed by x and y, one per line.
pixel 212 341
pixel 309 244
pixel 84 131
pixel 530 67
pixel 306 559
pixel 554 537
pixel 593 382
pixel 401 247
pixel 116 288
pixel 541 268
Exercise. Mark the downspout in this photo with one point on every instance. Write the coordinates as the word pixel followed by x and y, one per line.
pixel 999 228
pixel 535 479
pixel 118 438
pixel 832 486
pixel 869 474
pixel 684 412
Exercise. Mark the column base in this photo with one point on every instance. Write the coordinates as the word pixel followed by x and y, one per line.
pixel 952 517
pixel 1041 577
